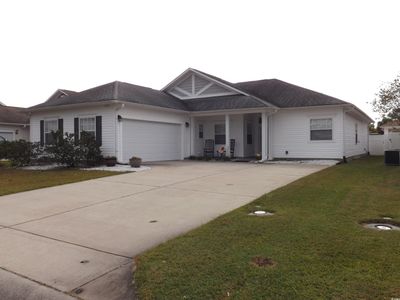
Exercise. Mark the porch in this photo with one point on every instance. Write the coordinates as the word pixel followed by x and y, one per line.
pixel 248 134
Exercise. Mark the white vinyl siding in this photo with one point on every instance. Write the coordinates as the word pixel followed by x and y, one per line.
pixel 290 131
pixel 351 130
pixel 108 124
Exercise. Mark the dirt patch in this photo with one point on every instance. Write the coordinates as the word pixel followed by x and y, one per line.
pixel 260 261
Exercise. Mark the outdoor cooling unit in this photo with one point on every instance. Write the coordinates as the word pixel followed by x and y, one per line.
pixel 392 157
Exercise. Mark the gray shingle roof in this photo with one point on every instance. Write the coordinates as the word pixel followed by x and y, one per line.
pixel 283 94
pixel 13 115
pixel 118 91
pixel 260 93
pixel 224 102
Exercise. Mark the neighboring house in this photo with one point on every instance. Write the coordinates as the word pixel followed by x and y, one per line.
pixel 14 123
pixel 268 117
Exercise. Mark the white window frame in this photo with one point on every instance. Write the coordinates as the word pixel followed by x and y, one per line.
pixel 44 128
pixel 94 124
pixel 310 129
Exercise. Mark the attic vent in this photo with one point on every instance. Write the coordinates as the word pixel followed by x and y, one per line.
pixel 61 96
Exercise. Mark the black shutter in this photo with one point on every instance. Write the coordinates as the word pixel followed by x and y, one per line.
pixel 98 130
pixel 76 130
pixel 61 126
pixel 41 132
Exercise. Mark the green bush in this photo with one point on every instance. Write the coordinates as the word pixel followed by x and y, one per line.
pixel 90 148
pixel 67 151
pixel 64 151
pixel 20 153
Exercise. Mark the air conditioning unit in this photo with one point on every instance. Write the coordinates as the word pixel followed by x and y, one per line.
pixel 392 157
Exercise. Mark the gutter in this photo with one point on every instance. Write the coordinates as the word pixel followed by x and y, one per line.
pixel 15 124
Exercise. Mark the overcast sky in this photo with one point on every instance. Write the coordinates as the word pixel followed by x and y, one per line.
pixel 346 49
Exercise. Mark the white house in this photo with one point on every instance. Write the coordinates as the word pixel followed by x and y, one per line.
pixel 14 123
pixel 268 117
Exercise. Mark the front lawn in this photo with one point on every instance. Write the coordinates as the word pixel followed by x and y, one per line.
pixel 317 246
pixel 18 180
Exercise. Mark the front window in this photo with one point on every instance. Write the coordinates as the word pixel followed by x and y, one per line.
pixel 249 135
pixel 219 134
pixel 87 125
pixel 201 131
pixel 50 127
pixel 321 129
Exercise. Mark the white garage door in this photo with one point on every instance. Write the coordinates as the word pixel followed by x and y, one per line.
pixel 6 136
pixel 152 141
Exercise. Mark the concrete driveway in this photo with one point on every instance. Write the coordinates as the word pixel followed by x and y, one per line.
pixel 78 240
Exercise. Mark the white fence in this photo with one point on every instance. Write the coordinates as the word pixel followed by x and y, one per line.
pixel 379 143
pixel 376 144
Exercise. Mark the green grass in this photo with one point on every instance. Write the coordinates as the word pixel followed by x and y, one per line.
pixel 17 180
pixel 315 239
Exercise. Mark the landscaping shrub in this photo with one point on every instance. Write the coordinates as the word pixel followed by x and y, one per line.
pixel 90 148
pixel 67 151
pixel 64 150
pixel 20 153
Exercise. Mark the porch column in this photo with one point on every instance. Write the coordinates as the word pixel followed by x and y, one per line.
pixel 227 136
pixel 264 136
pixel 192 136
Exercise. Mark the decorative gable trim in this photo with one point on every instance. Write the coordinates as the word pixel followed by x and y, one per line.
pixel 192 84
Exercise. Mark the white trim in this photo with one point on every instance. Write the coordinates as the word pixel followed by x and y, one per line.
pixel 227 136
pixel 182 91
pixel 321 117
pixel 193 85
pixel 183 126
pixel 86 117
pixel 48 119
pixel 207 96
pixel 15 124
pixel 204 88
pixel 231 111
pixel 153 121
pixel 192 135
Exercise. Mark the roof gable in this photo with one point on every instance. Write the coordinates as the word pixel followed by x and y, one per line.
pixel 193 84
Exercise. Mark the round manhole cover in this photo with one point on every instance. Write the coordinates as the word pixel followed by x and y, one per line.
pixel 261 213
pixel 383 227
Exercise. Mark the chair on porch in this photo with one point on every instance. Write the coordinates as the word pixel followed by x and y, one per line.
pixel 208 148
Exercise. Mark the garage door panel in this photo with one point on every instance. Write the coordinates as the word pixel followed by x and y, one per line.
pixel 6 136
pixel 152 141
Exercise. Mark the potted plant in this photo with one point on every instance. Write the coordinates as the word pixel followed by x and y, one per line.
pixel 135 162
pixel 110 161
pixel 258 156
